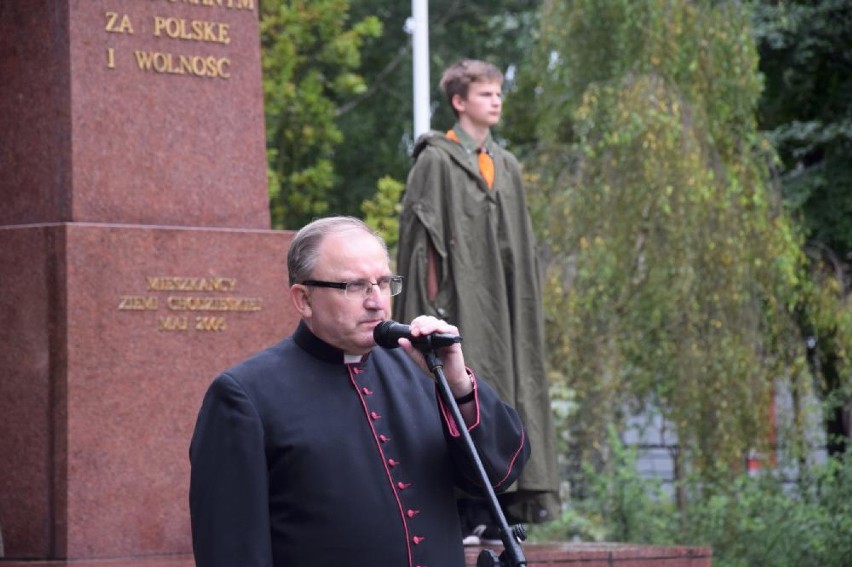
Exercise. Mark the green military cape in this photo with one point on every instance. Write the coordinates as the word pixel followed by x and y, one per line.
pixel 489 286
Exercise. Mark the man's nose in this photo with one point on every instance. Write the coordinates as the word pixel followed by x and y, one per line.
pixel 372 289
pixel 374 296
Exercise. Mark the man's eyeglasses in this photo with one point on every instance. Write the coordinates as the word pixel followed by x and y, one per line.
pixel 388 285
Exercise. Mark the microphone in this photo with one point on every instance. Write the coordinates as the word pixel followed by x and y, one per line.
pixel 387 333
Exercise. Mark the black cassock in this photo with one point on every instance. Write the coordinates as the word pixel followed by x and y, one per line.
pixel 300 458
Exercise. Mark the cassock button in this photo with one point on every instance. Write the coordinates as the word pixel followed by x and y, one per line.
pixel 366 391
pixel 392 462
pixel 384 438
pixel 412 513
pixel 417 539
pixel 374 415
pixel 403 485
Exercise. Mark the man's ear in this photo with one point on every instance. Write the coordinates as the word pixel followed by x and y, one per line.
pixel 458 103
pixel 301 299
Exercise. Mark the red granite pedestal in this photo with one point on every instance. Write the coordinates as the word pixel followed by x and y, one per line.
pixel 136 261
pixel 111 335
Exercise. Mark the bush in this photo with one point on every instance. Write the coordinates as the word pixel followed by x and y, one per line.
pixel 763 521
pixel 755 521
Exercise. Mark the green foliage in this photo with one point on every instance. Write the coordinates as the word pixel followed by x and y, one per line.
pixel 758 521
pixel 761 521
pixel 825 317
pixel 571 526
pixel 620 505
pixel 383 210
pixel 310 54
pixel 673 270
pixel 633 508
pixel 805 52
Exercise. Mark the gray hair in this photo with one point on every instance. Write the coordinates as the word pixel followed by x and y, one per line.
pixel 303 255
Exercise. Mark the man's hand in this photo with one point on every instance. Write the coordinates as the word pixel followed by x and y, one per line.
pixel 454 369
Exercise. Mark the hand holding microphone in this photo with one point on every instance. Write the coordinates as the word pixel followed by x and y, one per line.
pixel 387 335
pixel 431 334
pixel 425 334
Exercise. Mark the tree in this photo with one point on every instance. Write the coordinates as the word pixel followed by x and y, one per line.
pixel 310 54
pixel 383 210
pixel 806 58
pixel 672 267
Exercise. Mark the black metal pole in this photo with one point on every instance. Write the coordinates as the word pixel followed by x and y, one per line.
pixel 512 555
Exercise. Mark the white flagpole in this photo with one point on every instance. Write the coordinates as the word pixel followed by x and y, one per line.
pixel 420 41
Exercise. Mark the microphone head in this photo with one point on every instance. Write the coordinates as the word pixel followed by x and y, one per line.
pixel 383 335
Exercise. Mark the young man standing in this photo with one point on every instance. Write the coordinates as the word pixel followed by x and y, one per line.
pixel 467 252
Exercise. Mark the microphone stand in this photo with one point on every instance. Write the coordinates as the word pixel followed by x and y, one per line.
pixel 512 555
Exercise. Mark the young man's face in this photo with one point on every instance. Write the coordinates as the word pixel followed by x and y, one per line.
pixel 483 103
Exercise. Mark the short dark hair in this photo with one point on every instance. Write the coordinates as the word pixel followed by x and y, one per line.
pixel 457 78
pixel 303 254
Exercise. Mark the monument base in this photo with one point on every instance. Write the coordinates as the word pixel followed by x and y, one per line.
pixel 597 554
pixel 111 335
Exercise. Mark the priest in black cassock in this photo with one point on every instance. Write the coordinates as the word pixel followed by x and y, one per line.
pixel 324 450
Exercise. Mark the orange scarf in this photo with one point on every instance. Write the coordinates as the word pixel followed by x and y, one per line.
pixel 486 164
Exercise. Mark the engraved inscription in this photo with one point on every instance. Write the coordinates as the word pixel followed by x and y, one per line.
pixel 177 283
pixel 230 4
pixel 214 303
pixel 192 304
pixel 174 324
pixel 137 303
pixel 169 30
pixel 195 30
pixel 209 323
pixel 197 66
pixel 118 23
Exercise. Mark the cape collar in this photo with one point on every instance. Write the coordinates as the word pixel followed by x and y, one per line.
pixel 460 136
